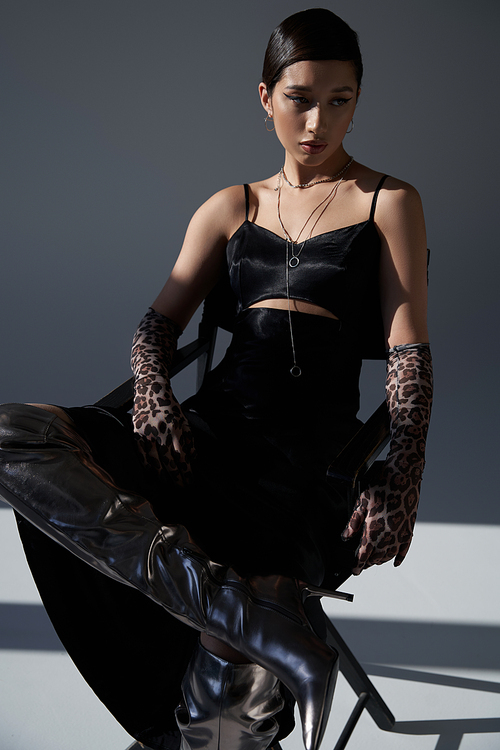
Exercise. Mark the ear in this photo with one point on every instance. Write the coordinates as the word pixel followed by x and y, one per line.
pixel 358 94
pixel 265 99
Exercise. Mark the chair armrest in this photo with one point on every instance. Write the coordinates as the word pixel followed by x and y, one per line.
pixel 122 396
pixel 360 453
pixel 187 354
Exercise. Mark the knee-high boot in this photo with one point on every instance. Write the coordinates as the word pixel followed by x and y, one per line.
pixel 48 475
pixel 227 706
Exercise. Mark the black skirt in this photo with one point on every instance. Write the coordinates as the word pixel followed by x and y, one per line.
pixel 260 501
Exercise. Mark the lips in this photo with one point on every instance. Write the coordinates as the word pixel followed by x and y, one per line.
pixel 313 147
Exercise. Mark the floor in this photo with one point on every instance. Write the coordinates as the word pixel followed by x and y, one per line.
pixel 427 634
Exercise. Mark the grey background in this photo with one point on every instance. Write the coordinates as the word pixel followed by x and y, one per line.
pixel 120 117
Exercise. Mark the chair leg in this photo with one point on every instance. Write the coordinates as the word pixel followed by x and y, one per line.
pixel 359 681
pixel 352 721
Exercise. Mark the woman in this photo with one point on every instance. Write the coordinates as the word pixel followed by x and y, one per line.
pixel 243 463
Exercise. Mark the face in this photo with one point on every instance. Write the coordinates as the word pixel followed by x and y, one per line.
pixel 312 105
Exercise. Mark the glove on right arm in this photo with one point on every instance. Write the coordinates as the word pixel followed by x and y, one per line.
pixel 161 429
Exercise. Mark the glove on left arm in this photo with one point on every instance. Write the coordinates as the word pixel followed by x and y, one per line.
pixel 161 429
pixel 387 510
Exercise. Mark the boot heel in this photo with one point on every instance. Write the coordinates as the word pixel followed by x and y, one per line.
pixel 308 590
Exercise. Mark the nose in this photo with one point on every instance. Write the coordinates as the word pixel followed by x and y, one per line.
pixel 316 120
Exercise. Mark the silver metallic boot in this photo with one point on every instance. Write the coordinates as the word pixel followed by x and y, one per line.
pixel 227 706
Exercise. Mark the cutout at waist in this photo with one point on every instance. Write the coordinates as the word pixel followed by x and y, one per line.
pixel 296 305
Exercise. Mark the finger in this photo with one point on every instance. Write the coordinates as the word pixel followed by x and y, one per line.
pixel 149 454
pixel 356 521
pixel 184 469
pixel 403 551
pixel 347 533
pixel 363 555
pixel 176 465
pixel 187 454
pixel 141 448
pixel 381 558
pixel 170 466
pixel 359 568
pixel 182 437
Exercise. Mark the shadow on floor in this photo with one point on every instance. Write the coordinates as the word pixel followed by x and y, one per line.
pixel 450 732
pixel 440 644
pixel 431 678
pixel 26 626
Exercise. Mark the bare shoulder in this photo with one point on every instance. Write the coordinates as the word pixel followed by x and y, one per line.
pixel 222 213
pixel 394 192
pixel 399 219
pixel 398 201
pixel 226 209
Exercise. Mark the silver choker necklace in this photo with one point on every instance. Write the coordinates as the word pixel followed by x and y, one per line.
pixel 316 182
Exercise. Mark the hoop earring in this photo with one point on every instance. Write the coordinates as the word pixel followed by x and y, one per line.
pixel 269 117
pixel 351 127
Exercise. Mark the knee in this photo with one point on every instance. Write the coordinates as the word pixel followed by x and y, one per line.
pixel 54 410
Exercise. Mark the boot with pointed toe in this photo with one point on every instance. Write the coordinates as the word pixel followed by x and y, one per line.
pixel 264 619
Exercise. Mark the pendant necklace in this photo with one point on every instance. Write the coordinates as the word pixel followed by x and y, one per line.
pixel 292 258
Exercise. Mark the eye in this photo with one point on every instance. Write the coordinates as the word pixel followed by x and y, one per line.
pixel 297 99
pixel 340 102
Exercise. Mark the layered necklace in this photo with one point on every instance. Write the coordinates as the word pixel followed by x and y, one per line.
pixel 293 250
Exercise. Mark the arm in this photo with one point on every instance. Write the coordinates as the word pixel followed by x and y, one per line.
pixel 385 513
pixel 161 429
pixel 203 251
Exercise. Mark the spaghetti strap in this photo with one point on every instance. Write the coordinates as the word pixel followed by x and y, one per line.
pixel 247 201
pixel 375 196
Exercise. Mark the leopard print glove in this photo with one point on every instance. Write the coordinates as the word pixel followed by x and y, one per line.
pixel 386 511
pixel 161 429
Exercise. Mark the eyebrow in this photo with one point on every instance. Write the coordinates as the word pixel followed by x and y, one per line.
pixel 336 90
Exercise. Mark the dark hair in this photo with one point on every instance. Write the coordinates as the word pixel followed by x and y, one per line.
pixel 314 34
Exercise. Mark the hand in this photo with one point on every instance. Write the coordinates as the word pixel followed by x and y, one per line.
pixel 162 431
pixel 385 514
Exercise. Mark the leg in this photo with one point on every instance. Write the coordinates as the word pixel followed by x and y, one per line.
pixel 54 410
pixel 227 706
pixel 47 473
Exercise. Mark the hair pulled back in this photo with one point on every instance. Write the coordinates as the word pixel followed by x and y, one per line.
pixel 314 34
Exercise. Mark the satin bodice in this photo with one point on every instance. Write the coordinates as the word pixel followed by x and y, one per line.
pixel 333 270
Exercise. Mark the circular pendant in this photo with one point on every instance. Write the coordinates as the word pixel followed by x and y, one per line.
pixel 296 372
pixel 294 261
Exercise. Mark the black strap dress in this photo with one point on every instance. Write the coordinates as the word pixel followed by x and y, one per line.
pixel 260 500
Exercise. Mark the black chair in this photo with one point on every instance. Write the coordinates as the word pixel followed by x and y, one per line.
pixel 353 465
